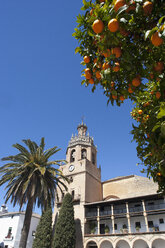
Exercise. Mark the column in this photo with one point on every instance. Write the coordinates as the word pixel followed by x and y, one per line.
pixel 128 218
pixel 113 219
pixel 98 219
pixel 145 215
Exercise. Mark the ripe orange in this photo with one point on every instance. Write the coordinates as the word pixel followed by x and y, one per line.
pixel 91 81
pixel 95 60
pixel 112 84
pixel 147 7
pixel 136 82
pixel 119 4
pixel 130 90
pixel 98 75
pixel 152 92
pixel 140 112
pixel 116 51
pixel 114 97
pixel 107 53
pixel 116 68
pixel 132 6
pixel 159 66
pixel 159 174
pixel 91 12
pixel 86 59
pixel 158 94
pixel 147 117
pixel 122 98
pixel 113 25
pixel 156 40
pixel 88 73
pixel 98 26
pixel 88 76
pixel 105 66
pixel 123 32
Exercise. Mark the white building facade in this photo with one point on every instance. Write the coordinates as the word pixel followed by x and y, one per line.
pixel 10 228
pixel 123 212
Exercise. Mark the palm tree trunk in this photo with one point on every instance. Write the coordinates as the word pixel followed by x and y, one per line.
pixel 26 224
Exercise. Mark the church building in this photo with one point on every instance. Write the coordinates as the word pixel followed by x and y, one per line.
pixel 122 212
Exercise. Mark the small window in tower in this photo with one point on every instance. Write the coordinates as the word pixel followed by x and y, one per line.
pixel 93 158
pixel 72 155
pixel 72 194
pixel 83 153
pixel 115 226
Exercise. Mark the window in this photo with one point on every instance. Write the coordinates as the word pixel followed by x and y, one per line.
pixel 150 224
pixel 83 154
pixel 93 158
pixel 73 194
pixel 137 205
pixel 72 155
pixel 115 226
pixel 137 224
pixel 161 221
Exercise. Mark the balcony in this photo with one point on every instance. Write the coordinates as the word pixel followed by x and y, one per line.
pixel 155 207
pixel 105 213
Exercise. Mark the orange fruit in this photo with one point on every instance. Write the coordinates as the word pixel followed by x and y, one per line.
pixel 159 66
pixel 123 32
pixel 158 94
pixel 130 90
pixel 113 25
pixel 114 97
pixel 91 81
pixel 122 98
pixel 136 82
pixel 116 68
pixel 156 40
pixel 98 75
pixel 88 73
pixel 152 92
pixel 140 112
pixel 119 4
pixel 91 12
pixel 98 26
pixel 105 66
pixel 107 53
pixel 147 7
pixel 95 60
pixel 132 6
pixel 88 76
pixel 101 1
pixel 112 84
pixel 159 174
pixel 86 59
pixel 116 51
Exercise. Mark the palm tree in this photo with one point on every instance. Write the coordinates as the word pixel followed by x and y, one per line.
pixel 32 179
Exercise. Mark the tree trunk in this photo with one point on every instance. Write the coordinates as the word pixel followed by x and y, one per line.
pixel 26 224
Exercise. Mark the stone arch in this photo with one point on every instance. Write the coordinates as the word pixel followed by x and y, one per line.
pixel 158 243
pixel 91 244
pixel 122 244
pixel 111 197
pixel 140 243
pixel 72 155
pixel 83 153
pixel 106 244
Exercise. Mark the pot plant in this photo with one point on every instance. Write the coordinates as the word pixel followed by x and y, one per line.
pixel 106 229
pixel 125 230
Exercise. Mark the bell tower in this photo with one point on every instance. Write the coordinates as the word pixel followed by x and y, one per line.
pixel 82 172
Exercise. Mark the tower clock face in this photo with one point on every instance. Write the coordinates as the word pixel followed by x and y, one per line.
pixel 71 167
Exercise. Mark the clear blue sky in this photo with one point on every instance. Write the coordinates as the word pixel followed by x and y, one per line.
pixel 41 92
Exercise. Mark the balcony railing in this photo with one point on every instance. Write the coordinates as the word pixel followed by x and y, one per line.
pixel 136 209
pixel 120 211
pixel 155 207
pixel 105 212
pixel 91 214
